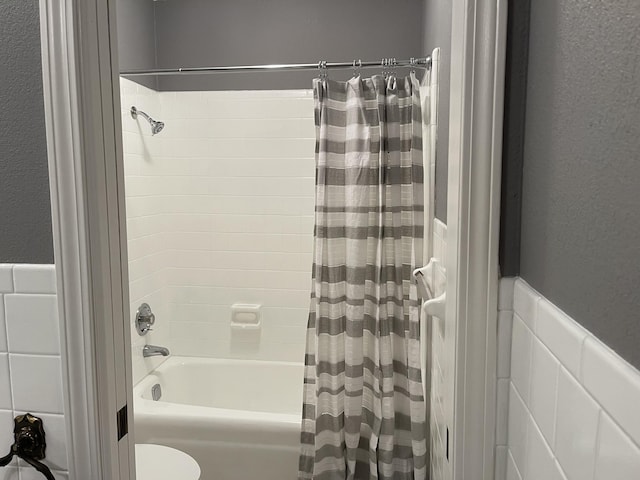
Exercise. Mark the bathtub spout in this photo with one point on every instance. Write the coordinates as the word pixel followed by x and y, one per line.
pixel 154 351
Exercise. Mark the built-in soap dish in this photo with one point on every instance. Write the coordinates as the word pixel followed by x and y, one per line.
pixel 246 316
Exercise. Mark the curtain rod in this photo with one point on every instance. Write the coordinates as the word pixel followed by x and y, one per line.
pixel 322 66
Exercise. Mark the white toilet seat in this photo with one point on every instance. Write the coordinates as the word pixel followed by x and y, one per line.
pixel 158 462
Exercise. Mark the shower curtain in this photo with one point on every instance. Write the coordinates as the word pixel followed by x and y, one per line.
pixel 364 409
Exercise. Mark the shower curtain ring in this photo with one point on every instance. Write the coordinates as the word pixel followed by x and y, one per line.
pixel 322 68
pixel 356 68
pixel 388 66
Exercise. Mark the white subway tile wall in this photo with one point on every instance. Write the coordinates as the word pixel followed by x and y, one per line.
pixel 30 364
pixel 572 403
pixel 437 417
pixel 147 237
pixel 220 210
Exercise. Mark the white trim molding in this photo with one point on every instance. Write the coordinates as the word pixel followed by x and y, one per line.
pixel 475 157
pixel 77 48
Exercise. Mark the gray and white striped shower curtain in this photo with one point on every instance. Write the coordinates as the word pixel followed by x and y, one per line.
pixel 364 409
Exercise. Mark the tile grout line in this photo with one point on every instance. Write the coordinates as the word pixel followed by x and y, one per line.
pixel 514 463
pixel 597 449
pixel 6 328
pixel 556 396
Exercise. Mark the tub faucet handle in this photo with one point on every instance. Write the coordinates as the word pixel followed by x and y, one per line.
pixel 144 319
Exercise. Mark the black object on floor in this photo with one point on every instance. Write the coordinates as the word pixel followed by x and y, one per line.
pixel 29 444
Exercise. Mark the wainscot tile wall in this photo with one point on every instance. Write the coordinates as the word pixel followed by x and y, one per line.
pixel 30 365
pixel 437 417
pixel 567 405
pixel 220 210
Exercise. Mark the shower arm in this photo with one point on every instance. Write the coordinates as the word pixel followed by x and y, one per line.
pixel 135 112
pixel 156 127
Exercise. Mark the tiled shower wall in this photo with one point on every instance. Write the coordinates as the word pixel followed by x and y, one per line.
pixel 145 224
pixel 220 211
pixel 567 405
pixel 30 365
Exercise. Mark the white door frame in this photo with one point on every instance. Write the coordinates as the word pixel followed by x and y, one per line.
pixel 82 106
pixel 478 47
pixel 84 148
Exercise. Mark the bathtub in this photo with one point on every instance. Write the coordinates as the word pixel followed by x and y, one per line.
pixel 240 419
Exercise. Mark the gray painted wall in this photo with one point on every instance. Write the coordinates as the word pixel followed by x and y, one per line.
pixel 137 37
pixel 513 135
pixel 25 210
pixel 237 32
pixel 581 190
pixel 437 33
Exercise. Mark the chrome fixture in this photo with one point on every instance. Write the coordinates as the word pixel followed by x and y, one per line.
pixel 144 319
pixel 154 351
pixel 156 127
pixel 413 63
pixel 156 392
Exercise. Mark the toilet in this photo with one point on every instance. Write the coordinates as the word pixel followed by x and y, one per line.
pixel 157 462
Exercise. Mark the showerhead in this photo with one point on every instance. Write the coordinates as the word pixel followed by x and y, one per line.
pixel 156 127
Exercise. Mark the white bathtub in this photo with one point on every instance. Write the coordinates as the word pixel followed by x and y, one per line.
pixel 240 419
